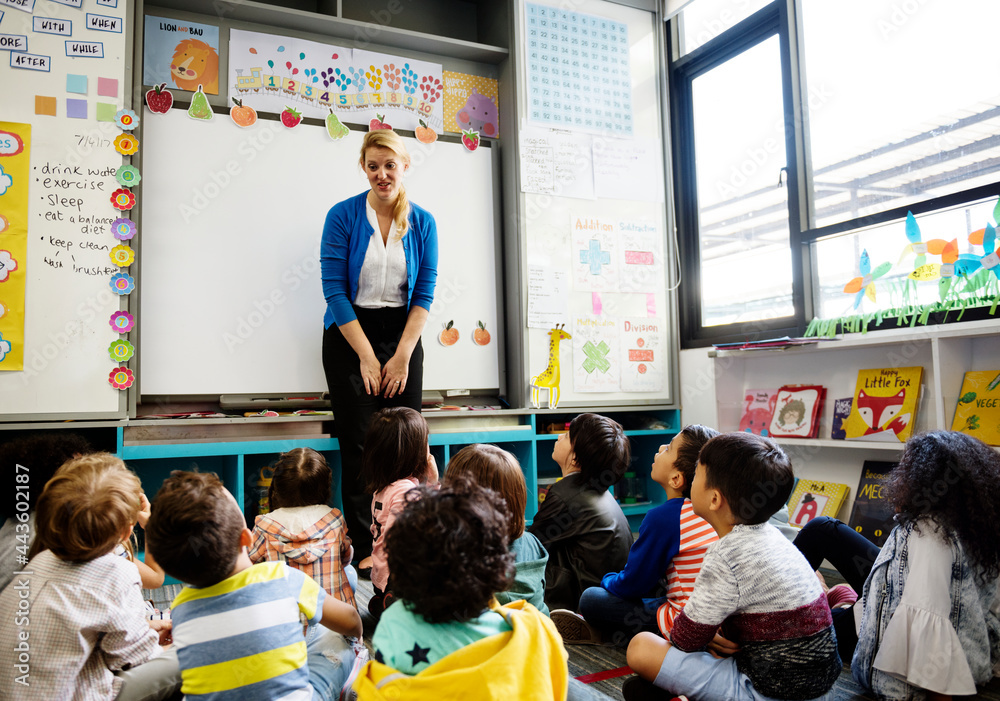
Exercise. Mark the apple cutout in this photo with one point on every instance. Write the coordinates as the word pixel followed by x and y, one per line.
pixel 159 100
pixel 377 123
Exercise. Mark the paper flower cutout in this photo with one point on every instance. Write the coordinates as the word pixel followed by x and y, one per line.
pixel 121 350
pixel 969 263
pixel 122 322
pixel 4 348
pixel 126 119
pixel 128 176
pixel 4 224
pixel 5 181
pixel 7 264
pixel 122 255
pixel 123 199
pixel 948 250
pixel 123 228
pixel 122 283
pixel 121 378
pixel 865 284
pixel 126 144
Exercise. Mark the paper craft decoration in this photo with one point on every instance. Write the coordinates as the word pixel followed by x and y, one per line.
pixel 978 409
pixel 123 199
pixel 377 122
pixel 123 228
pixel 969 263
pixel 200 108
pixel 8 264
pixel 15 157
pixel 242 115
pixel 126 119
pixel 336 129
pixel 122 283
pixel 480 336
pixel 5 348
pixel 758 407
pixel 290 117
pixel 470 139
pixel 121 350
pixel 548 379
pixel 884 404
pixel 864 285
pixel 159 100
pixel 128 175
pixel 796 411
pixel 922 270
pixel 122 255
pixel 841 410
pixel 126 144
pixel 183 53
pixel 122 322
pixel 812 498
pixel 121 378
pixel 424 134
pixel 448 335
pixel 872 514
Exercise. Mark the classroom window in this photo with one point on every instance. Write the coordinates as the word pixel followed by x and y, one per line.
pixel 703 20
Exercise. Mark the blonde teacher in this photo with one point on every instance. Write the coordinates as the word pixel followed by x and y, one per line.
pixel 379 266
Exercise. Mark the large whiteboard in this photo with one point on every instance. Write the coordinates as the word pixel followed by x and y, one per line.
pixel 230 294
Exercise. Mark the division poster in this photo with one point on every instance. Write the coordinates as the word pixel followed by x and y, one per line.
pixel 644 354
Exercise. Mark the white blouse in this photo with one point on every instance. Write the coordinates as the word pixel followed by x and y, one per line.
pixel 919 645
pixel 382 282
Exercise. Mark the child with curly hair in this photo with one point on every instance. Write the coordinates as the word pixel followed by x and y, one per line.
pixel 301 529
pixel 396 459
pixel 580 523
pixel 496 469
pixel 447 637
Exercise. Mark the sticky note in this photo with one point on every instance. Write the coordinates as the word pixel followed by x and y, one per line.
pixel 106 111
pixel 76 83
pixel 45 105
pixel 107 87
pixel 76 109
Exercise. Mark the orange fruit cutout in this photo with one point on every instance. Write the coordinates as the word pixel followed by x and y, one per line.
pixel 449 336
pixel 425 134
pixel 480 336
pixel 243 116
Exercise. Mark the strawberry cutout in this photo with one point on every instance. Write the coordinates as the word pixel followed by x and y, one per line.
pixel 377 123
pixel 470 139
pixel 290 117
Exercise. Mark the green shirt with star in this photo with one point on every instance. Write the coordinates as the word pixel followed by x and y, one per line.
pixel 407 642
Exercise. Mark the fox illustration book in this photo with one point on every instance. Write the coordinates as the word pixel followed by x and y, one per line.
pixel 884 405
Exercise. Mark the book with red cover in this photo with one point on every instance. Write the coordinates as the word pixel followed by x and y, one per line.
pixel 797 411
pixel 758 406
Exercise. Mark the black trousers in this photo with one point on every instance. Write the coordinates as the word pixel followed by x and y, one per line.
pixel 353 409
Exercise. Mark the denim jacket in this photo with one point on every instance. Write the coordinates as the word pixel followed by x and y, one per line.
pixel 978 628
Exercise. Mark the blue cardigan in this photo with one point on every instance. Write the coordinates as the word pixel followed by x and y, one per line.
pixel 346 235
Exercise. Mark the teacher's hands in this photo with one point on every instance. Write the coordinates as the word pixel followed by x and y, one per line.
pixel 371 373
pixel 394 375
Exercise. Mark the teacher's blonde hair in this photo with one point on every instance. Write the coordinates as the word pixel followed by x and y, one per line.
pixel 387 138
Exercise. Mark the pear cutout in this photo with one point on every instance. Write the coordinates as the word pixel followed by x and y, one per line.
pixel 334 127
pixel 200 109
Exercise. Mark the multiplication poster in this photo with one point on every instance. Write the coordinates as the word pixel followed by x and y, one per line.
pixel 578 71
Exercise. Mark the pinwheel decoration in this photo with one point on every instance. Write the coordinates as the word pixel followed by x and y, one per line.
pixel 968 263
pixel 865 284
pixel 948 250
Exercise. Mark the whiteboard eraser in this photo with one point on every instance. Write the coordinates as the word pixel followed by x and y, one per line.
pixel 456 393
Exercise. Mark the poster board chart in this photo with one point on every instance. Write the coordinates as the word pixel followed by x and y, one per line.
pixel 67 299
pixel 585 220
pixel 231 300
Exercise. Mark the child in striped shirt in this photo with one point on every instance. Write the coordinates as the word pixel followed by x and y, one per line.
pixel 662 565
pixel 236 625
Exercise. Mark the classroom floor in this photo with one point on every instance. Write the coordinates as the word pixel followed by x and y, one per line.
pixel 603 663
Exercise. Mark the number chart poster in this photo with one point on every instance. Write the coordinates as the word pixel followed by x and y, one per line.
pixel 271 72
pixel 578 71
pixel 15 146
pixel 181 54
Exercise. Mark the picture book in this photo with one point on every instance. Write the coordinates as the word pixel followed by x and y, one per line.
pixel 758 405
pixel 796 411
pixel 872 514
pixel 812 498
pixel 841 410
pixel 978 409
pixel 885 405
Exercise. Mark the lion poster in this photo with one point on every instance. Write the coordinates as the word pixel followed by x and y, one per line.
pixel 181 54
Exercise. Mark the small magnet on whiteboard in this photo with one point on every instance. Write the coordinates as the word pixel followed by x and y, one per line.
pixel 121 378
pixel 122 322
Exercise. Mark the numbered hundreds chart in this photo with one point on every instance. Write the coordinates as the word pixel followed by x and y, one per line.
pixel 578 71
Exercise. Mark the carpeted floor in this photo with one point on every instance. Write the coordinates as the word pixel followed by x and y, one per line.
pixel 593 662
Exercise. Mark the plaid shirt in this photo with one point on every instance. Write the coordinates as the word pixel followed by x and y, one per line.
pixel 83 622
pixel 320 550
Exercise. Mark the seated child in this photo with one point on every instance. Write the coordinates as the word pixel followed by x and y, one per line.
pixel 671 545
pixel 756 601
pixel 496 469
pixel 236 625
pixel 448 553
pixel 580 523
pixel 301 529
pixel 396 459
pixel 82 618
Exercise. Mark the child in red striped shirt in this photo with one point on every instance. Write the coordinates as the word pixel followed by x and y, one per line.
pixel 662 563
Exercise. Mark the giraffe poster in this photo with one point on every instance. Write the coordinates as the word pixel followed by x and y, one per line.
pixel 596 354
pixel 595 254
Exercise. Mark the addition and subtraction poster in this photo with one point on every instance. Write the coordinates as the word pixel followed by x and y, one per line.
pixel 594 254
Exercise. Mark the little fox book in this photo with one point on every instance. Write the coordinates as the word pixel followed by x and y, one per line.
pixel 978 409
pixel 885 404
